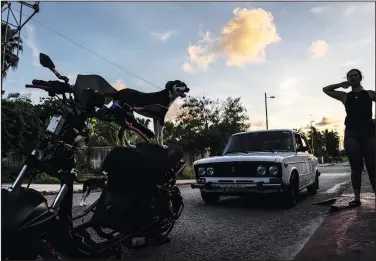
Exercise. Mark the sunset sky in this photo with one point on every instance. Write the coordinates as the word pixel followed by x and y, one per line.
pixel 286 49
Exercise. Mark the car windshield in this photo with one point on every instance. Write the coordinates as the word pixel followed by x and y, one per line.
pixel 93 82
pixel 260 141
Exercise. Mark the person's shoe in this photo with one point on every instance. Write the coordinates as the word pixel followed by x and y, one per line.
pixel 355 203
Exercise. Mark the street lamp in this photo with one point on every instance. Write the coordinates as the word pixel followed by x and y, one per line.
pixel 313 149
pixel 266 109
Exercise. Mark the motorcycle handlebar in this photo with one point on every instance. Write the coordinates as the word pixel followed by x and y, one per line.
pixel 56 87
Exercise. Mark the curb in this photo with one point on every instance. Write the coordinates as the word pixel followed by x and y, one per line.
pixel 326 165
pixel 79 190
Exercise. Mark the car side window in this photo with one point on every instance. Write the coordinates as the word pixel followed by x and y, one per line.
pixel 305 143
pixel 298 140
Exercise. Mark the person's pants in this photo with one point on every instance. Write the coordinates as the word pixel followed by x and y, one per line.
pixel 360 145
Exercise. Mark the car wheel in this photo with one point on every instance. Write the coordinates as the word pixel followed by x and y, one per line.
pixel 290 197
pixel 210 197
pixel 312 190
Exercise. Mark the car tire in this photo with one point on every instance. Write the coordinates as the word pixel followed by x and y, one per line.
pixel 312 189
pixel 210 197
pixel 291 194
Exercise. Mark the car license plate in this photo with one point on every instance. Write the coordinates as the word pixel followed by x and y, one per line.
pixel 232 187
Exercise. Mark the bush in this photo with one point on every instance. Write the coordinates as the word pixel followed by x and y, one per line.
pixel 188 173
pixel 44 178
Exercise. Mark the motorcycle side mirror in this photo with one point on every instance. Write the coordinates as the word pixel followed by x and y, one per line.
pixel 46 61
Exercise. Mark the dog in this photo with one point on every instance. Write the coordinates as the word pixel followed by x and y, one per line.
pixel 154 105
pixel 90 185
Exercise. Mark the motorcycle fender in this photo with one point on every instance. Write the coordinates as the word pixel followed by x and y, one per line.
pixel 21 208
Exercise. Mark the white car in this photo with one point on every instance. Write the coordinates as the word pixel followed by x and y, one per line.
pixel 276 161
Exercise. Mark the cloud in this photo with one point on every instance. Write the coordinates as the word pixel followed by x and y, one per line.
pixel 352 63
pixel 325 122
pixel 318 9
pixel 289 83
pixel 242 40
pixel 318 49
pixel 138 82
pixel 173 110
pixel 119 85
pixel 257 124
pixel 366 40
pixel 29 41
pixel 162 36
pixel 349 10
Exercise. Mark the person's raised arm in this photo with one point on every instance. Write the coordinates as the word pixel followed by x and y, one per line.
pixel 331 91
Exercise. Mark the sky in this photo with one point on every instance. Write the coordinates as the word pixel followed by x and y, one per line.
pixel 289 50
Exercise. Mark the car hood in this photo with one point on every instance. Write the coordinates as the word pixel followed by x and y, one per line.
pixel 251 156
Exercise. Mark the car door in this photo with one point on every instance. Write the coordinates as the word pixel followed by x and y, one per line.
pixel 311 163
pixel 303 160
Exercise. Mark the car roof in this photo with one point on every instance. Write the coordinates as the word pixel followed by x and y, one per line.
pixel 272 130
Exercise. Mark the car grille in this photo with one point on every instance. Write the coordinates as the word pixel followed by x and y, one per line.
pixel 237 169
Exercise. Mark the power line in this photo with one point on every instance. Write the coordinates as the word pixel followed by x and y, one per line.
pixel 85 48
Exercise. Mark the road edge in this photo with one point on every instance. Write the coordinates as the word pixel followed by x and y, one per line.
pixel 79 190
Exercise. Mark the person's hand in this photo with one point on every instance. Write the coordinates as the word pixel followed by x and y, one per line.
pixel 345 84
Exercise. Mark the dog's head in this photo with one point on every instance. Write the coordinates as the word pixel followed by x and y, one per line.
pixel 177 89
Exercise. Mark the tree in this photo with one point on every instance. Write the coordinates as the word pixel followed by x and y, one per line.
pixel 233 118
pixel 20 125
pixel 205 125
pixel 318 141
pixel 325 143
pixel 10 43
pixel 331 139
pixel 193 129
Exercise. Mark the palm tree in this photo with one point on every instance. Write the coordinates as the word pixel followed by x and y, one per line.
pixel 10 43
pixel 331 142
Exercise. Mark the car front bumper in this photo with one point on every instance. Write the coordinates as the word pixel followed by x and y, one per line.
pixel 239 186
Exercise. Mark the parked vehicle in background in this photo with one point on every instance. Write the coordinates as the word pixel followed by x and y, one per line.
pixel 265 161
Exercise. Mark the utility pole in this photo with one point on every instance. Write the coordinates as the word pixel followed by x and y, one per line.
pixel 266 110
pixel 12 25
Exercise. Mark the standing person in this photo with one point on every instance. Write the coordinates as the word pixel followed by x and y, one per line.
pixel 360 128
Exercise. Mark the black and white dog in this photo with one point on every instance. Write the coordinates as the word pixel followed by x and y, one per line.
pixel 157 104
pixel 91 184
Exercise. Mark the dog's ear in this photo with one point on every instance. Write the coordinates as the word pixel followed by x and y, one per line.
pixel 171 84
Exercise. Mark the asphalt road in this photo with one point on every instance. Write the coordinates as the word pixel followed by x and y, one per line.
pixel 239 228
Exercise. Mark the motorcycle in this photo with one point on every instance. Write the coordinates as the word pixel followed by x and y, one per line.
pixel 140 199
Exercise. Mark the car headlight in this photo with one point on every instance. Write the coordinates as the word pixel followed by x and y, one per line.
pixel 210 171
pixel 201 171
pixel 261 170
pixel 273 170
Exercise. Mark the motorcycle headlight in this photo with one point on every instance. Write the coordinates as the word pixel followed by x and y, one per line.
pixel 210 171
pixel 261 170
pixel 273 170
pixel 201 171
